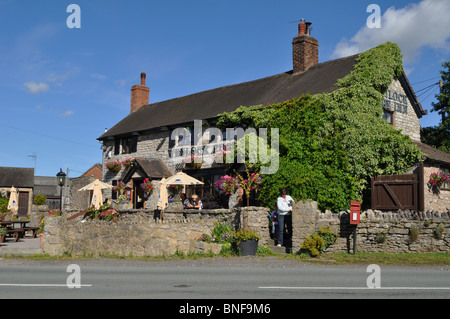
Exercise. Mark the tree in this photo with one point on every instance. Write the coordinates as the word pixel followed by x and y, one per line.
pixel 439 136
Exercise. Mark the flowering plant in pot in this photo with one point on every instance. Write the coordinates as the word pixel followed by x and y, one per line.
pixel 247 241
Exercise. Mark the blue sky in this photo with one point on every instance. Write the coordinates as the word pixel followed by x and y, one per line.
pixel 60 87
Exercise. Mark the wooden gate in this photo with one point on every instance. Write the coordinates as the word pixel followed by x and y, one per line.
pixel 393 192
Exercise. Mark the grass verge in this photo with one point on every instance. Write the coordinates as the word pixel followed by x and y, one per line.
pixel 379 258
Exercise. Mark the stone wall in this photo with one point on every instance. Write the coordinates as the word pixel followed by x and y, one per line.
pixel 435 199
pixel 139 233
pixel 390 232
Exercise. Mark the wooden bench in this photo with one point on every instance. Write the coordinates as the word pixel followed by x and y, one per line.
pixel 17 233
pixel 33 229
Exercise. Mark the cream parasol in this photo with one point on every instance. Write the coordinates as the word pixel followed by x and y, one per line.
pixel 96 186
pixel 181 178
pixel 13 204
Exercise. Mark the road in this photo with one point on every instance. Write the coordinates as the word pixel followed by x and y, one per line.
pixel 210 278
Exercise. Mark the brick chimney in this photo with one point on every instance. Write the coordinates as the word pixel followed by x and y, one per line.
pixel 305 49
pixel 139 94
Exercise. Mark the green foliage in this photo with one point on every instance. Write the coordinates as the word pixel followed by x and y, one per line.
pixel 439 231
pixel 3 231
pixel 245 234
pixel 3 205
pixel 319 241
pixel 414 234
pixel 40 199
pixel 439 136
pixel 331 144
pixel 222 231
pixel 221 234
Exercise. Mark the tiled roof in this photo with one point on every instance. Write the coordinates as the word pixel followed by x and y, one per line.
pixel 434 154
pixel 17 177
pixel 320 78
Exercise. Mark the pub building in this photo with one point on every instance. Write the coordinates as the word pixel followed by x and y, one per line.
pixel 144 135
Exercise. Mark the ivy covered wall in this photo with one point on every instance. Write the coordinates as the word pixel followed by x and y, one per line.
pixel 332 144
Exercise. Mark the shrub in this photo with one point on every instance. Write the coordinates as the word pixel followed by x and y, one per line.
pixel 319 241
pixel 40 199
pixel 3 205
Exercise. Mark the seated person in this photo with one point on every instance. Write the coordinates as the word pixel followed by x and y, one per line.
pixel 196 202
pixel 185 201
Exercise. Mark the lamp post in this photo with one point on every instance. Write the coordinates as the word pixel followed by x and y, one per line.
pixel 61 176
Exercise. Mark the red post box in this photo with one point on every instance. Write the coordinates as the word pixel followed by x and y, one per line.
pixel 355 212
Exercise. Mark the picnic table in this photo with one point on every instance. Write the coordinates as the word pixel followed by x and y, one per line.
pixel 19 232
pixel 22 223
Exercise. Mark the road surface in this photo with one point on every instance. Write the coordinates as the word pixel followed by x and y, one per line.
pixel 243 278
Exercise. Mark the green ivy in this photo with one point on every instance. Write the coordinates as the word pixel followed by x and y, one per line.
pixel 332 144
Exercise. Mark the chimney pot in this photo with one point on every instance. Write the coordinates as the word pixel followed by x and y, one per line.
pixel 302 28
pixel 308 28
pixel 305 49
pixel 143 76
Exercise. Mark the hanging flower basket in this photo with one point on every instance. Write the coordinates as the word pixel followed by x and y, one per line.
pixel 227 184
pixel 127 163
pixel 120 187
pixel 437 180
pixel 115 166
pixel 193 161
pixel 220 157
pixel 147 186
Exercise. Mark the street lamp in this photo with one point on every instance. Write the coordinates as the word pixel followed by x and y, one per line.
pixel 61 180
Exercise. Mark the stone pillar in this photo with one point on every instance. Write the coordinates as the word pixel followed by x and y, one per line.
pixel 305 215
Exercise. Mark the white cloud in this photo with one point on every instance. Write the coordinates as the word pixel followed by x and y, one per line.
pixel 67 113
pixel 35 88
pixel 425 24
